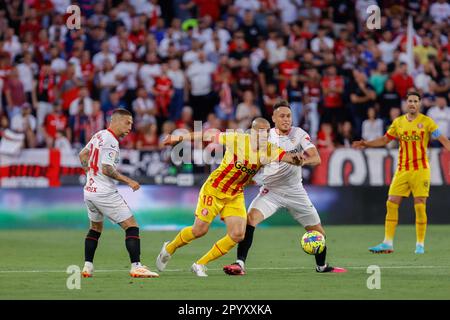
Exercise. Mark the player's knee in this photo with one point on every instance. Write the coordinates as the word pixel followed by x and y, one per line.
pixel 199 231
pixel 237 236
pixel 98 227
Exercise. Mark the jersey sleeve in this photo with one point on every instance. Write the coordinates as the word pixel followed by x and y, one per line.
pixel 110 152
pixel 391 133
pixel 306 143
pixel 433 129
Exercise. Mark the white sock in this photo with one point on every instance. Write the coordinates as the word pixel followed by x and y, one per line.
pixel 388 242
pixel 321 268
pixel 88 264
pixel 241 263
pixel 136 265
pixel 421 243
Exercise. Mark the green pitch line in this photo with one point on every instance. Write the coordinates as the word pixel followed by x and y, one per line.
pixel 34 262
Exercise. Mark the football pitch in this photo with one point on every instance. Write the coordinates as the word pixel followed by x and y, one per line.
pixel 34 264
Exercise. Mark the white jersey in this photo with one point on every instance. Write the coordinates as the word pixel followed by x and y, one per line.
pixel 103 149
pixel 281 175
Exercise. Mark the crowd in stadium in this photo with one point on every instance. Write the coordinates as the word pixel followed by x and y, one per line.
pixel 223 62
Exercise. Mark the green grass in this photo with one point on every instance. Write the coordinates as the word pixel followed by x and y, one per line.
pixel 277 268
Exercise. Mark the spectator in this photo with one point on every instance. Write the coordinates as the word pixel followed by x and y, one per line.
pixel 147 137
pixel 388 99
pixel 62 142
pixel 14 93
pixel 162 93
pixel 96 119
pixel 186 121
pixel 322 42
pixel 332 87
pixel 83 100
pixel 246 111
pixel 149 71
pixel 202 98
pixel 325 137
pixel 269 99
pixel 126 74
pixel 378 78
pixel 144 109
pixel 24 122
pixel 440 11
pixel 54 122
pixel 79 127
pixel 345 134
pixel 178 79
pixel 106 81
pixel 440 113
pixel 245 79
pixel 402 81
pixel 362 97
pixel 295 98
pixel 372 127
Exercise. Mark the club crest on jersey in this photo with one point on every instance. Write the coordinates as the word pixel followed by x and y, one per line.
pixel 204 212
pixel 420 125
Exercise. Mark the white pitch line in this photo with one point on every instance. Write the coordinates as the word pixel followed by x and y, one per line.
pixel 217 269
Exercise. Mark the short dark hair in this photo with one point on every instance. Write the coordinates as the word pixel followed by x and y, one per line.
pixel 122 112
pixel 281 103
pixel 413 93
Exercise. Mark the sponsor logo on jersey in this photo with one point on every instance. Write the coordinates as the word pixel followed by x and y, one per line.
pixel 91 189
pixel 240 166
pixel 204 212
pixel 405 137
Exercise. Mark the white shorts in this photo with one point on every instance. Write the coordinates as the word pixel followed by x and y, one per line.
pixel 113 206
pixel 297 203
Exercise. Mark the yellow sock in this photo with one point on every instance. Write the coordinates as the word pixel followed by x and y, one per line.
pixel 219 249
pixel 391 222
pixel 421 222
pixel 183 238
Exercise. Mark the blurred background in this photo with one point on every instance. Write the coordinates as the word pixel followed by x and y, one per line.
pixel 221 62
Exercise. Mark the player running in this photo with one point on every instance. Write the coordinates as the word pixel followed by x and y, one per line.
pixel 222 193
pixel 282 188
pixel 412 130
pixel 99 160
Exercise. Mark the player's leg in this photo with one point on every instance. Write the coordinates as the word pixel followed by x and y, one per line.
pixel 262 207
pixel 421 223
pixel 90 245
pixel 235 233
pixel 420 184
pixel 184 237
pixel 321 265
pixel 133 245
pixel 398 189
pixel 92 237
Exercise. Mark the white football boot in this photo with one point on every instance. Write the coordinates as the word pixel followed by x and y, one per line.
pixel 199 270
pixel 163 258
pixel 88 270
pixel 142 272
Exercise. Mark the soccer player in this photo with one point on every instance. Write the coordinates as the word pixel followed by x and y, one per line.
pixel 99 160
pixel 222 193
pixel 412 130
pixel 282 188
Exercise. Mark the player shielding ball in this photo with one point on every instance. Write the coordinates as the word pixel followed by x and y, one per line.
pixel 99 159
pixel 222 193
pixel 282 188
pixel 412 130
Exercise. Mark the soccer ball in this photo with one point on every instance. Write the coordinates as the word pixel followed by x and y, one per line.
pixel 313 242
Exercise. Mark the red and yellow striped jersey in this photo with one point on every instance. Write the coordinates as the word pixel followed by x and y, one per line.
pixel 240 163
pixel 413 137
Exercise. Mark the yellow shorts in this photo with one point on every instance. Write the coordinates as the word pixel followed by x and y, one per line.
pixel 212 202
pixel 417 181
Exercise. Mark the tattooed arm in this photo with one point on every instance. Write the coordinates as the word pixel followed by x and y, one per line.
pixel 110 171
pixel 84 159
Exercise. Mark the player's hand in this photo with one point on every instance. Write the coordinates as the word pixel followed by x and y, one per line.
pixel 361 144
pixel 134 185
pixel 298 159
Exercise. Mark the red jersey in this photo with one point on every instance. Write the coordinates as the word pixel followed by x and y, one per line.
pixel 54 123
pixel 332 99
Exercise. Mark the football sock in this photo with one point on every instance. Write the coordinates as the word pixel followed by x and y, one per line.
pixel 244 245
pixel 183 238
pixel 219 249
pixel 321 257
pixel 421 222
pixel 133 244
pixel 391 222
pixel 90 245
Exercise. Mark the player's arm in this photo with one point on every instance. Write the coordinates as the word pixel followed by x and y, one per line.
pixel 84 159
pixel 110 171
pixel 311 157
pixel 441 138
pixel 292 158
pixel 379 142
pixel 209 135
